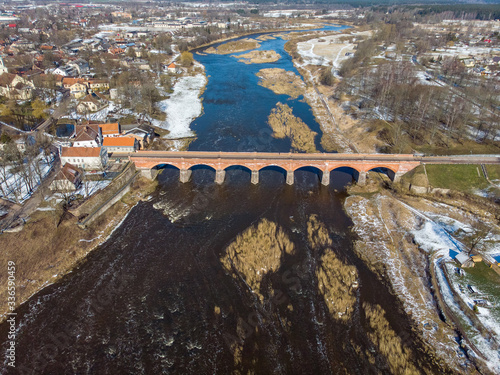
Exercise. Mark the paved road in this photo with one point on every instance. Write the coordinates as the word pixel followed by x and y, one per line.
pixel 462 159
pixel 58 112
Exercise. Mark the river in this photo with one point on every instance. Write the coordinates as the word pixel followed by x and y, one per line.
pixel 155 298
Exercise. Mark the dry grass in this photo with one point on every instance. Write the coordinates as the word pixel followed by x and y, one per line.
pixel 281 82
pixel 285 124
pixel 44 251
pixel 258 57
pixel 256 252
pixel 389 344
pixel 317 233
pixel 337 281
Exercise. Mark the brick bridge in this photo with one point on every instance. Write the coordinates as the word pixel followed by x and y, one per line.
pixel 148 162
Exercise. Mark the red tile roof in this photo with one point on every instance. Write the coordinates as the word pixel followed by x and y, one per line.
pixel 119 141
pixel 81 152
pixel 69 172
pixel 112 128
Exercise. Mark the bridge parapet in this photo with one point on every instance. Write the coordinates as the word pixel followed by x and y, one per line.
pixel 289 162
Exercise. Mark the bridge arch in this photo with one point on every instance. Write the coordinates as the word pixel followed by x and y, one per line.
pixel 237 166
pixel 389 171
pixel 354 168
pixel 315 167
pixel 201 166
pixel 166 164
pixel 391 168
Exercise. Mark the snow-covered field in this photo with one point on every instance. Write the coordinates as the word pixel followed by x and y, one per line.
pixel 15 188
pixel 328 50
pixel 90 187
pixel 183 106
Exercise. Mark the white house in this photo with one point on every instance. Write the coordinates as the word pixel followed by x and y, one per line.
pixel 87 136
pixel 89 158
pixel 3 68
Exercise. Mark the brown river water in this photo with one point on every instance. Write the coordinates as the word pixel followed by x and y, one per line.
pixel 145 302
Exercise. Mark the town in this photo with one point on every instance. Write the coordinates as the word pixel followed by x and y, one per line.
pixel 106 107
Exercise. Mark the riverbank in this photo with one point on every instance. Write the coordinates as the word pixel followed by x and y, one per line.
pixel 318 95
pixel 400 237
pixel 51 245
pixel 182 107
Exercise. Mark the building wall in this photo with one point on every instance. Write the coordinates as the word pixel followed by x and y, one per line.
pixel 120 149
pixel 84 162
pixel 62 185
pixel 86 144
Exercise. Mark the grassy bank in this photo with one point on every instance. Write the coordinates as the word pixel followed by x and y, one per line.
pixel 51 244
pixel 462 178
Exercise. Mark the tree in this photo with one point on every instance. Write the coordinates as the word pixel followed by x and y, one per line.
pixel 150 96
pixel 5 138
pixel 476 241
pixel 186 59
pixel 131 52
pixel 327 78
pixel 39 109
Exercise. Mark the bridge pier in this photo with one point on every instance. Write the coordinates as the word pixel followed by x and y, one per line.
pixel 220 174
pixel 362 178
pixel 150 173
pixel 397 176
pixel 185 175
pixel 325 178
pixel 289 177
pixel 255 177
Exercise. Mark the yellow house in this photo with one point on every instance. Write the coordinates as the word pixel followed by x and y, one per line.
pixel 78 90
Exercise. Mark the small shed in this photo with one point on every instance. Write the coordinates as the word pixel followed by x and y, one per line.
pixel 464 260
pixel 172 68
pixel 477 258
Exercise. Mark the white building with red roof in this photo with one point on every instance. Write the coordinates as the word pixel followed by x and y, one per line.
pixel 89 158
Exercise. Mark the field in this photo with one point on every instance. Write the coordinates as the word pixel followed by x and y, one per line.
pixel 464 178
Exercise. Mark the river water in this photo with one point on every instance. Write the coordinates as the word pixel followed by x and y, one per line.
pixel 155 298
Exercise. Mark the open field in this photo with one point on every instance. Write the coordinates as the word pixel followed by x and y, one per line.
pixel 258 57
pixel 234 47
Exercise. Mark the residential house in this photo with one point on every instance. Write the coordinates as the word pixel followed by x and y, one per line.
pixel 87 136
pixel 120 144
pixel 78 89
pixel 110 130
pixel 14 86
pixel 88 158
pixel 98 85
pixel 91 103
pixel 143 133
pixel 68 178
pixel 66 71
pixel 122 15
pixel 3 68
pixel 172 68
pixel 80 65
pixel 469 63
pixel 116 51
